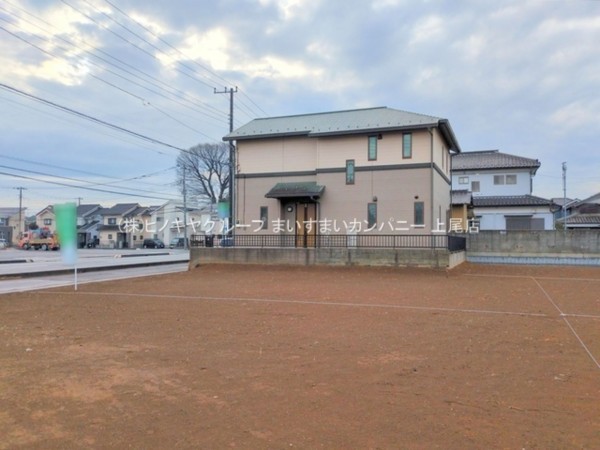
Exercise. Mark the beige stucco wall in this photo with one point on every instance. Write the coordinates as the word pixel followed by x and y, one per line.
pixel 396 190
pixel 46 215
pixel 293 154
pixel 277 155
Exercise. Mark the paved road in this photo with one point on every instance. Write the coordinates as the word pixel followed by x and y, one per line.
pixel 22 270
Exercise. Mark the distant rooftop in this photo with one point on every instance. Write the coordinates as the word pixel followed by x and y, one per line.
pixel 511 200
pixel 342 122
pixel 492 159
pixel 9 212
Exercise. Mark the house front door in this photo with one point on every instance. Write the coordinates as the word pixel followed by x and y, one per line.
pixel 306 224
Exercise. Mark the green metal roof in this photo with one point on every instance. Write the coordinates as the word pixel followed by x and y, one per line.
pixel 357 121
pixel 295 189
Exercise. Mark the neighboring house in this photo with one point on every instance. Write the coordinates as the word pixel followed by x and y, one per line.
pixel 168 221
pixel 583 214
pixel 88 220
pixel 559 210
pixel 46 219
pixel 114 231
pixel 11 224
pixel 376 170
pixel 462 216
pixel 501 186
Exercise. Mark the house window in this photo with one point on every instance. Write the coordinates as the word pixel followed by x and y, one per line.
pixel 475 186
pixel 112 220
pixel 264 217
pixel 419 214
pixel 47 221
pixel 135 238
pixel 110 237
pixel 498 179
pixel 463 180
pixel 3 221
pixel 350 171
pixel 372 148
pixel 371 215
pixel 407 145
pixel 511 179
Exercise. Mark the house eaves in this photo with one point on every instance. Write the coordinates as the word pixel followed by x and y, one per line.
pixel 492 160
pixel 338 123
pixel 510 200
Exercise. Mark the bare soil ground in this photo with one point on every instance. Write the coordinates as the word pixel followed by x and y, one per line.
pixel 306 357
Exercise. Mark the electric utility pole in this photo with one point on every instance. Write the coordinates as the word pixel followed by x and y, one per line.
pixel 564 179
pixel 20 189
pixel 185 231
pixel 231 91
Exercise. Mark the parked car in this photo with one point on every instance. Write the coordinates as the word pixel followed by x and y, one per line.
pixel 153 243
pixel 177 243
pixel 227 241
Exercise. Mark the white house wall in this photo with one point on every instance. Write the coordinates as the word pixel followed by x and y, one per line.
pixel 487 186
pixel 495 218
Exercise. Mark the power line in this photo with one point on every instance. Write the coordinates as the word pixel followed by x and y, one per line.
pixel 164 86
pixel 167 44
pixel 90 118
pixel 177 50
pixel 89 184
pixel 143 100
pixel 84 187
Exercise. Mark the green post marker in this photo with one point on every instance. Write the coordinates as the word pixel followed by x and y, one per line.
pixel 66 225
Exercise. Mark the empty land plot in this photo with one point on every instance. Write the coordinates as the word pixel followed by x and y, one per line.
pixel 230 356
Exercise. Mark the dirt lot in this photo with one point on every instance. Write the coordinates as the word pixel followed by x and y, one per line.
pixel 334 358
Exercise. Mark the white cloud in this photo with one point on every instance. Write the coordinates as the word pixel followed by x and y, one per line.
pixel 213 47
pixel 554 26
pixel 275 67
pixel 575 115
pixel 378 5
pixel 151 23
pixel 427 29
pixel 293 9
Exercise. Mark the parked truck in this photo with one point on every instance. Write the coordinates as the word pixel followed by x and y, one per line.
pixel 42 239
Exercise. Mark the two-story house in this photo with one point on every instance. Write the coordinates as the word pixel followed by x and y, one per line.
pixel 45 219
pixel 88 220
pixel 376 170
pixel 582 214
pixel 169 222
pixel 114 231
pixel 12 222
pixel 501 187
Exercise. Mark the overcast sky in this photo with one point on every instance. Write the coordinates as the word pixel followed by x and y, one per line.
pixel 519 76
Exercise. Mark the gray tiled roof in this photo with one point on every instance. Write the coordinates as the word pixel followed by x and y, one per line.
pixel 510 200
pixel 341 122
pixel 461 197
pixel 9 212
pixel 582 219
pixel 119 209
pixel 83 210
pixel 491 159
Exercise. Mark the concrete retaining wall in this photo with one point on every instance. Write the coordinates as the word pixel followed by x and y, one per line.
pixel 535 242
pixel 432 258
pixel 574 247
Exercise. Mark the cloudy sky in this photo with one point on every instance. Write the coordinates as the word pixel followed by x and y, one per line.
pixel 102 93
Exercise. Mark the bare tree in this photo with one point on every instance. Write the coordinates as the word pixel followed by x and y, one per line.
pixel 206 172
